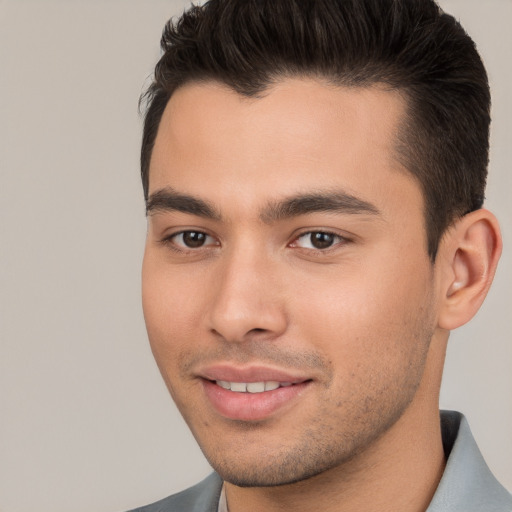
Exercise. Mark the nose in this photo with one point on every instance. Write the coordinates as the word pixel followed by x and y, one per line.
pixel 246 300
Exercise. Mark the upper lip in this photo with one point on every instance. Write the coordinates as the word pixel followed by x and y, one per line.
pixel 230 373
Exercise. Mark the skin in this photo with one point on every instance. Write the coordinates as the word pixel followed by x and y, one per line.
pixel 364 321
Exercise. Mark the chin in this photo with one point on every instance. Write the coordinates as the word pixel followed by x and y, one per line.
pixel 266 478
pixel 277 467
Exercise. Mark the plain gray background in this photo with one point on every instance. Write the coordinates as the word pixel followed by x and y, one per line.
pixel 85 421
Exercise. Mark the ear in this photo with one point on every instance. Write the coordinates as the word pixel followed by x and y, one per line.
pixel 469 254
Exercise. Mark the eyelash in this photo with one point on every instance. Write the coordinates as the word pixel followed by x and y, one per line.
pixel 170 241
pixel 337 240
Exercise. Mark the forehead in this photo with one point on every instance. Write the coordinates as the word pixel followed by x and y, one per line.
pixel 299 135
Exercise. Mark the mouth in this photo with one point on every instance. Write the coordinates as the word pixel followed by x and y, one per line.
pixel 252 394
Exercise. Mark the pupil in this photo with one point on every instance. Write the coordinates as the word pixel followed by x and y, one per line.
pixel 322 240
pixel 193 239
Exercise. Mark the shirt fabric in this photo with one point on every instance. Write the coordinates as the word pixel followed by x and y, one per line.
pixel 467 484
pixel 223 504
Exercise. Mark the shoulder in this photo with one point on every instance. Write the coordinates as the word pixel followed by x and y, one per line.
pixel 203 497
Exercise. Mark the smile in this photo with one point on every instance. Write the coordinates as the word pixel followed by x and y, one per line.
pixel 252 401
pixel 252 387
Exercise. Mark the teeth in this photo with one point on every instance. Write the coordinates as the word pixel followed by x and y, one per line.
pixel 252 387
pixel 255 387
pixel 270 385
pixel 239 387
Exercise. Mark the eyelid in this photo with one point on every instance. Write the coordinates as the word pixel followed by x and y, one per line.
pixel 342 239
pixel 169 240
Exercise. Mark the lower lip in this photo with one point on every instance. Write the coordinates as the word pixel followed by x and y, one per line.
pixel 251 406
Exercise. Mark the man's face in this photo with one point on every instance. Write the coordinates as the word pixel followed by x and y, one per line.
pixel 286 247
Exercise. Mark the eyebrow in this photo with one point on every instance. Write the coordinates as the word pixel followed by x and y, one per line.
pixel 335 202
pixel 168 199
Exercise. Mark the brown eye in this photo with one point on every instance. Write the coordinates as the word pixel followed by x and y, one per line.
pixel 317 240
pixel 321 240
pixel 192 239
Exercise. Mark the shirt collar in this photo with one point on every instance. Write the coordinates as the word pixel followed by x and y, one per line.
pixel 467 483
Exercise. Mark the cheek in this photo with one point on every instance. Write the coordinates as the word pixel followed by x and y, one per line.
pixel 170 306
pixel 369 321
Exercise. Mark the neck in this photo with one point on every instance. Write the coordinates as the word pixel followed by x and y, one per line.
pixel 398 473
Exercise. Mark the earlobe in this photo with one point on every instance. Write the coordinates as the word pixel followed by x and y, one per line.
pixel 470 253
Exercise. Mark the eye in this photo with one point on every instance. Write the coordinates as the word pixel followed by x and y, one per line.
pixel 317 240
pixel 192 239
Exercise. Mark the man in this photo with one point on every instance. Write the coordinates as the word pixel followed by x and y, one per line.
pixel 314 175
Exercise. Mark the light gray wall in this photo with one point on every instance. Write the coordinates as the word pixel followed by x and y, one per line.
pixel 85 422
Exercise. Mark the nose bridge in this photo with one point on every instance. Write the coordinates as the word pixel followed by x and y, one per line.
pixel 245 297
